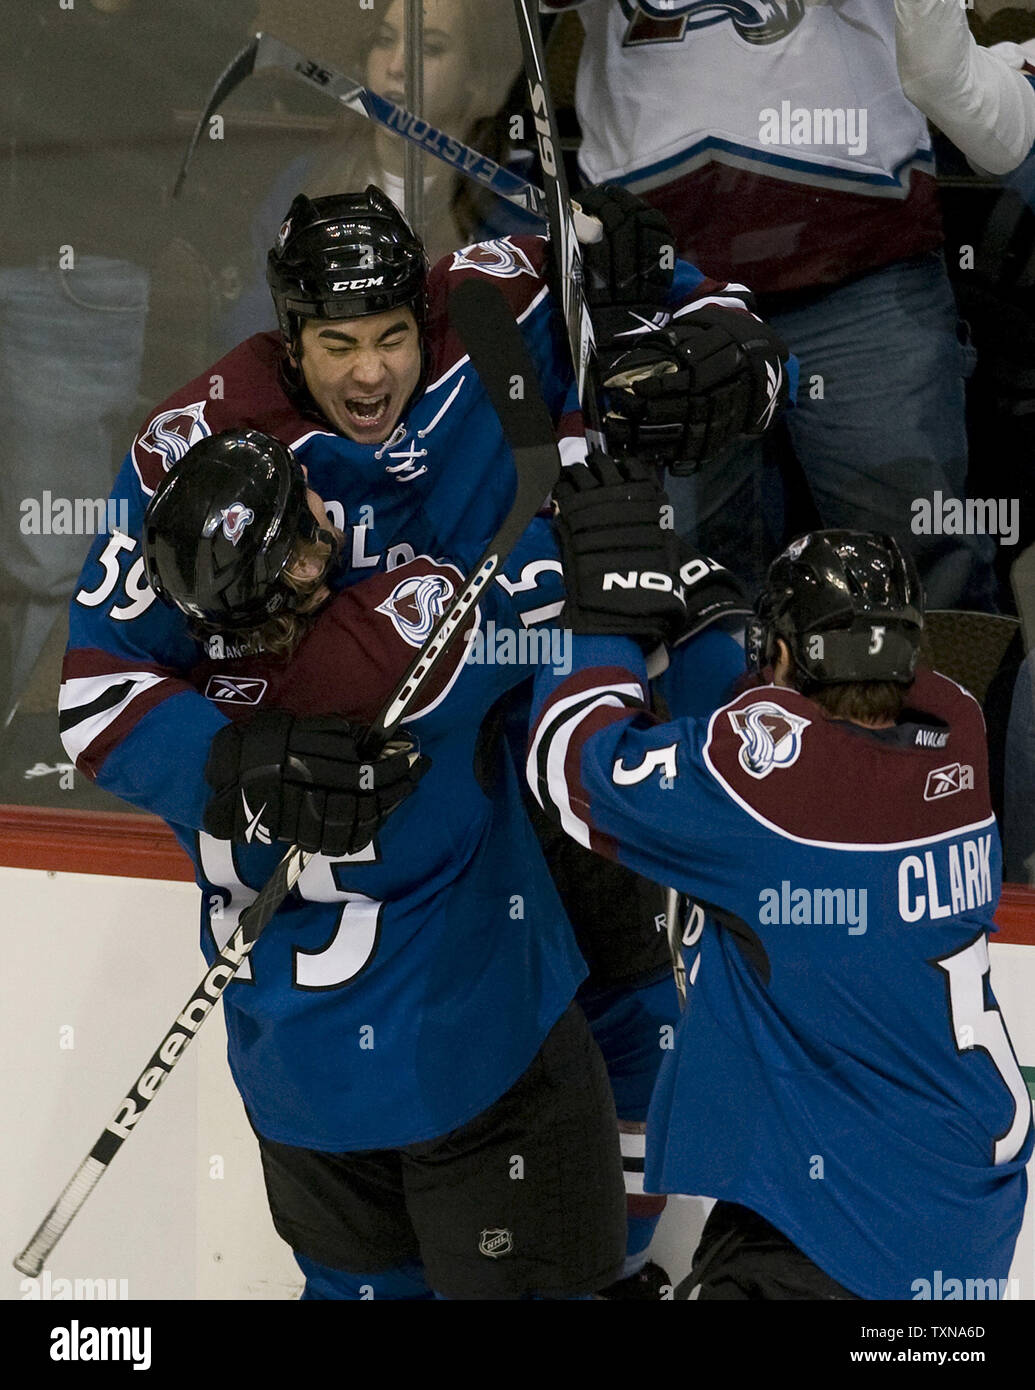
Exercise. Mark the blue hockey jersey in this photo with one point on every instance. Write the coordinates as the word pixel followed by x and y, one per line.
pixel 842 1067
pixel 445 938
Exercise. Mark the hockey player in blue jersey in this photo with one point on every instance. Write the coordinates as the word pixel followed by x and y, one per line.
pixel 431 1111
pixel 369 386
pixel 842 1080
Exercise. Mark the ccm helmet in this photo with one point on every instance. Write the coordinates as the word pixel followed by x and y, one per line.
pixel 344 257
pixel 221 527
pixel 849 605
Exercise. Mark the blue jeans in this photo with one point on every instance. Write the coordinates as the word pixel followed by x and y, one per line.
pixel 890 428
pixel 71 344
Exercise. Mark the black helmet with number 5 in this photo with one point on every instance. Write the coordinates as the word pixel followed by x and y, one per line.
pixel 849 605
pixel 344 257
pixel 221 528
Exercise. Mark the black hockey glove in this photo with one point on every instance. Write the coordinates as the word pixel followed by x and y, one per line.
pixel 628 273
pixel 305 781
pixel 618 561
pixel 710 591
pixel 683 393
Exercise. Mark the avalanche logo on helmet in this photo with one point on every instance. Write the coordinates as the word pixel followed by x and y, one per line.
pixel 497 258
pixel 771 736
pixel 235 518
pixel 415 606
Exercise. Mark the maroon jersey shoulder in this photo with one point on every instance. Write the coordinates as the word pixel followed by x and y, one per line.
pixel 243 390
pixel 354 655
pixel 516 263
pixel 777 754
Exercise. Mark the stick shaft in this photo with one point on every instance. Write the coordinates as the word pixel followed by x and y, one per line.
pixel 560 218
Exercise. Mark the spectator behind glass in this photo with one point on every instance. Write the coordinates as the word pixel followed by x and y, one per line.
pixel 471 57
pixel 837 230
pixel 86 160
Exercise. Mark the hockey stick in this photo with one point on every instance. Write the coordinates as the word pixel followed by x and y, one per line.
pixel 499 355
pixel 564 240
pixel 265 53
pixel 674 928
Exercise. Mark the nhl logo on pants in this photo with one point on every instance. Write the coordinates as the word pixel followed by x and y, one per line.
pixel 496 1243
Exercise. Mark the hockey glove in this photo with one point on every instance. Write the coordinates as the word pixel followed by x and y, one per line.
pixel 684 393
pixel 618 561
pixel 306 782
pixel 628 273
pixel 710 591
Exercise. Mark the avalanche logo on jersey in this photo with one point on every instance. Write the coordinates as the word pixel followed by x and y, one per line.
pixel 415 606
pixel 169 436
pixel 667 21
pixel 771 736
pixel 496 257
pixel 235 518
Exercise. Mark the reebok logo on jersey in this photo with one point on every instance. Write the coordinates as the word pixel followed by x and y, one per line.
pixel 253 830
pixel 496 1243
pixel 946 781
pixel 771 736
pixel 415 606
pixel 235 690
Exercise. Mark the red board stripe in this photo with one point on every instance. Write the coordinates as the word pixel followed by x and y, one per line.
pixel 1016 916
pixel 128 846
pixel 96 842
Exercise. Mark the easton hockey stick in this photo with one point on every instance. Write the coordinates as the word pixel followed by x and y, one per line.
pixel 499 356
pixel 265 53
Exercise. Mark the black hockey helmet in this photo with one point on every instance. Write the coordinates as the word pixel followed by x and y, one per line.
pixel 849 605
pixel 344 257
pixel 221 527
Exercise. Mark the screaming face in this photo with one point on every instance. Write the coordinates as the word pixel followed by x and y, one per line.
pixel 361 372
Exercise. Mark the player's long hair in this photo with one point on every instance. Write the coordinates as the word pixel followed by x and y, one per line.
pixel 280 636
